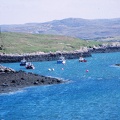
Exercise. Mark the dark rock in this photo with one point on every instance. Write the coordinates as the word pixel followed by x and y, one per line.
pixel 22 78
pixel 35 83
pixel 13 81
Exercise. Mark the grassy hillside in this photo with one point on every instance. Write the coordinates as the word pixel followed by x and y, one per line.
pixel 28 43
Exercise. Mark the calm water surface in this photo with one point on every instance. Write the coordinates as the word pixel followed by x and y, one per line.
pixel 92 95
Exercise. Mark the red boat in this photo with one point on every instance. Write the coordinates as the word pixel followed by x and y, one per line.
pixel 81 59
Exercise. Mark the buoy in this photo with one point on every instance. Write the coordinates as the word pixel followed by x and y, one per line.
pixel 52 69
pixel 49 69
pixel 87 70
pixel 62 68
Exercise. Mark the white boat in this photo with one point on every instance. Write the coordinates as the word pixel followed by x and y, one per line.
pixel 23 62
pixel 29 66
pixel 61 60
pixel 81 59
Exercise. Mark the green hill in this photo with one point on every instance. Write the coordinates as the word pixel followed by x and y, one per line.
pixel 28 43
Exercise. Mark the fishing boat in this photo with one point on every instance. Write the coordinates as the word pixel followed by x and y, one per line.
pixel 23 62
pixel 81 59
pixel 29 65
pixel 61 60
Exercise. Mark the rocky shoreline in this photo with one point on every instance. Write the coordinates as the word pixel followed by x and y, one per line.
pixel 104 49
pixel 41 56
pixel 11 80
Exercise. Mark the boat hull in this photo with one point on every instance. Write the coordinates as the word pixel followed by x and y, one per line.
pixel 82 60
pixel 61 61
pixel 30 67
pixel 22 64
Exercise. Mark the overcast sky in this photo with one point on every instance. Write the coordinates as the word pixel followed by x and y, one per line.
pixel 27 11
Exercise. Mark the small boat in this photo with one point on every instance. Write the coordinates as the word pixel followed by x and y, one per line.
pixel 81 59
pixel 29 66
pixel 117 64
pixel 23 62
pixel 61 60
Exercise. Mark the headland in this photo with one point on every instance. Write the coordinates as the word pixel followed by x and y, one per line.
pixel 11 80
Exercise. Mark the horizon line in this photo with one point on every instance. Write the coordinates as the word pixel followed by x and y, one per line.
pixel 59 20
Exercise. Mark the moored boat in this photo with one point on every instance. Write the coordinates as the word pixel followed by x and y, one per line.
pixel 23 62
pixel 29 66
pixel 81 59
pixel 61 60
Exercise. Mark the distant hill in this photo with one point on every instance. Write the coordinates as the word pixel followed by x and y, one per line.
pixel 97 29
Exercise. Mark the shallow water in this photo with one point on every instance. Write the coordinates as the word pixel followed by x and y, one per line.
pixel 90 95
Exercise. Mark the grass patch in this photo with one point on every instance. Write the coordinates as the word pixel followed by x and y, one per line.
pixel 28 43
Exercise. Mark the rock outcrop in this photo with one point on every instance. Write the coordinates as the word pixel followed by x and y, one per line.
pixel 12 81
pixel 5 69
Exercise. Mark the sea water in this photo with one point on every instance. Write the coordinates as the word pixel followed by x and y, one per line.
pixel 92 93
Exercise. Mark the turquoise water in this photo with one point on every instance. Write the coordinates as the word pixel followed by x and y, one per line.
pixel 90 95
